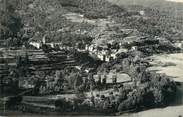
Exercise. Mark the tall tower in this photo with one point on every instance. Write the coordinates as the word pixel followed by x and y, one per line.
pixel 44 39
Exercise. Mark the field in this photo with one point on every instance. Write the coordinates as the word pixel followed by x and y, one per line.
pixel 170 64
pixel 161 112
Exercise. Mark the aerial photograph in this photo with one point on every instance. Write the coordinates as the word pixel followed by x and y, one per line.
pixel 120 58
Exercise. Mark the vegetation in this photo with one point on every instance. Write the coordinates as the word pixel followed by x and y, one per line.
pixel 94 9
pixel 154 22
pixel 149 89
pixel 31 20
pixel 11 23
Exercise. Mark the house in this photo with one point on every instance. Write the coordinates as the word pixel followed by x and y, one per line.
pixel 142 13
pixel 91 48
pixel 120 77
pixel 179 44
pixel 37 45
pixel 134 48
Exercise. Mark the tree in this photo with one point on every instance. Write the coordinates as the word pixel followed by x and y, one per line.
pixel 10 21
pixel 75 80
pixel 78 81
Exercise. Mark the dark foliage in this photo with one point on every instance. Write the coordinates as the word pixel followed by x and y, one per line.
pixel 11 23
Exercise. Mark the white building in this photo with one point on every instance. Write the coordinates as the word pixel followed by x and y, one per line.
pixel 36 44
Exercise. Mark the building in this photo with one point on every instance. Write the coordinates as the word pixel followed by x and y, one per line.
pixel 37 45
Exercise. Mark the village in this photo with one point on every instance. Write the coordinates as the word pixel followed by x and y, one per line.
pixel 52 80
pixel 87 57
pixel 48 70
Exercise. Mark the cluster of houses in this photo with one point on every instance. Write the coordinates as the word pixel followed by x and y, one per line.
pixel 39 44
pixel 103 52
pixel 107 51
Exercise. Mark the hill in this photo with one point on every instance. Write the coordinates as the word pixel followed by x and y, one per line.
pixel 98 20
